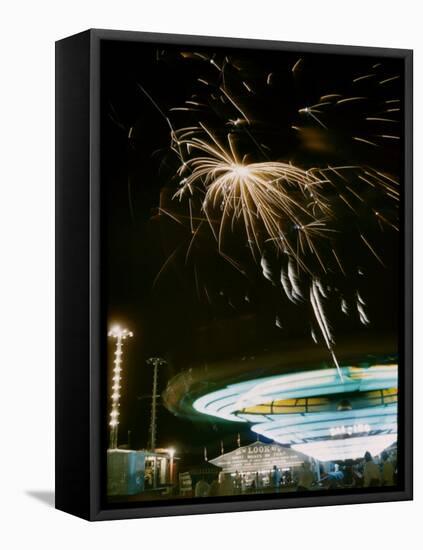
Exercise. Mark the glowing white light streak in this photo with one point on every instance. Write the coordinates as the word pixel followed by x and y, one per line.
pixel 346 449
pixel 228 402
pixel 296 428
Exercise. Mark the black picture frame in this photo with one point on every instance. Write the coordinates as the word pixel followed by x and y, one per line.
pixel 80 304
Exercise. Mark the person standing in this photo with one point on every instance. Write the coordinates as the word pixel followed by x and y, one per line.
pixel 214 488
pixel 237 482
pixel 305 478
pixel 276 478
pixel 371 473
pixel 226 486
pixel 202 488
pixel 388 471
pixel 243 483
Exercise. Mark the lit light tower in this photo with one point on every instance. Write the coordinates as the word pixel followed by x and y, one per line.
pixel 119 334
pixel 156 362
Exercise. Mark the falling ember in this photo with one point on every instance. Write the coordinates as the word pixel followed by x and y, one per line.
pixel 348 99
pixel 297 65
pixel 366 141
pixel 389 79
pixel 364 77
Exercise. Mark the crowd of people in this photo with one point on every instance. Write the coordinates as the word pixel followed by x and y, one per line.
pixel 370 472
pixel 240 483
pixel 367 472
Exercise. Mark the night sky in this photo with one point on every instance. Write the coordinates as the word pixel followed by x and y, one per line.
pixel 195 312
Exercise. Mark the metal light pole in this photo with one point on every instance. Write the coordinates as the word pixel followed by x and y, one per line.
pixel 171 454
pixel 119 334
pixel 156 362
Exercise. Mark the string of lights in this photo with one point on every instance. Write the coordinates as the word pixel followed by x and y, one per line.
pixel 119 334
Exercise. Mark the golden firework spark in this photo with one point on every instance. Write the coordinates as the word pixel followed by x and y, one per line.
pixel 269 199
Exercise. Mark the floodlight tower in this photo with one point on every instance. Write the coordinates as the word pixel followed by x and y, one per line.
pixel 156 362
pixel 119 334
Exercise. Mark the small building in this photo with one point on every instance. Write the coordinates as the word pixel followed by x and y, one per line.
pixel 259 458
pixel 130 472
pixel 125 472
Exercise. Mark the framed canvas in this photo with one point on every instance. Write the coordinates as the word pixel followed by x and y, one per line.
pixel 234 274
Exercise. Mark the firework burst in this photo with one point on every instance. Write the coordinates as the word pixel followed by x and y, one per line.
pixel 290 217
pixel 265 198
